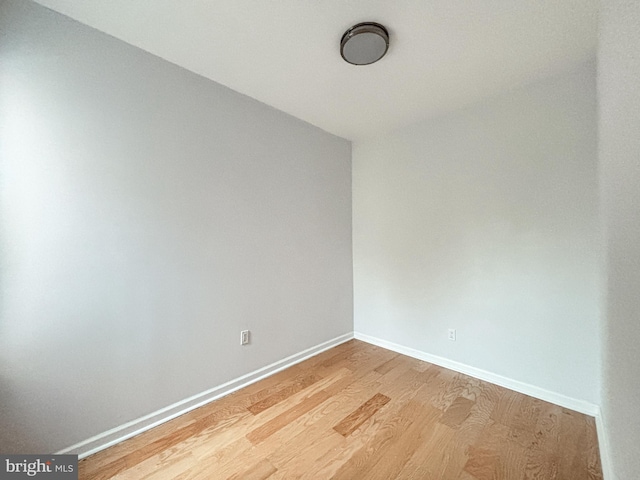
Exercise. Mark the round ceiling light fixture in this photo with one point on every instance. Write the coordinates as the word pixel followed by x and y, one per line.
pixel 364 43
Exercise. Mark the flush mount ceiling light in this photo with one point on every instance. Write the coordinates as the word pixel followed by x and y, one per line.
pixel 364 43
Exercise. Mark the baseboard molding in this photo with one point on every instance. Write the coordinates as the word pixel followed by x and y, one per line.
pixel 521 387
pixel 564 401
pixel 142 424
pixel 603 444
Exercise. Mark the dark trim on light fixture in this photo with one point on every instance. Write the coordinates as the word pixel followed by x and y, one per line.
pixel 368 49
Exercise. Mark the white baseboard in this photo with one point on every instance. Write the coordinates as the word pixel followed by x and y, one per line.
pixel 130 429
pixel 521 387
pixel 603 444
pixel 557 398
pixel 142 424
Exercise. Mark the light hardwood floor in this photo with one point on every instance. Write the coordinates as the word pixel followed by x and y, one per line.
pixel 359 411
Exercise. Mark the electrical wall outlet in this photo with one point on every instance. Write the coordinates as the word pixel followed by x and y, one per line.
pixel 452 334
pixel 244 337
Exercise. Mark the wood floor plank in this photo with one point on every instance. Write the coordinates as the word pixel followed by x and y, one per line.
pixel 592 449
pixel 431 455
pixel 345 358
pixel 302 441
pixel 527 416
pixel 395 458
pixel 367 362
pixel 579 463
pixel 463 476
pixel 360 462
pixel 131 459
pixel 511 455
pixel 232 447
pixel 261 433
pixel 220 434
pixel 329 464
pixel 512 462
pixel 404 387
pixel 507 407
pixel 316 427
pixel 393 370
pixel 318 423
pixel 482 463
pixel 361 414
pixel 283 394
pixel 306 454
pixel 258 471
pixel 275 418
pixel 457 412
pixel 390 364
pixel 360 411
pixel 214 464
pixel 167 466
pixel 348 381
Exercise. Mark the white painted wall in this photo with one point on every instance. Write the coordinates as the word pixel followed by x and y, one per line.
pixel 147 215
pixel 619 153
pixel 486 220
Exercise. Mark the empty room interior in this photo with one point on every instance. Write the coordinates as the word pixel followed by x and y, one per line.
pixel 237 243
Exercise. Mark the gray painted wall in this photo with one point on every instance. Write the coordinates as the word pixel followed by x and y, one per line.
pixel 486 221
pixel 619 143
pixel 147 215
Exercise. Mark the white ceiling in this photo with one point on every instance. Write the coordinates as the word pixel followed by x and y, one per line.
pixel 444 54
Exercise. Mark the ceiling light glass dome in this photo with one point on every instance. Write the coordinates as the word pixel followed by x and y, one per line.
pixel 364 43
